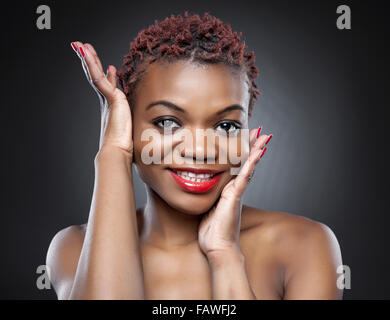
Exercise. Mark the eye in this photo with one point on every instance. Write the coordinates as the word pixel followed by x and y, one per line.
pixel 229 127
pixel 167 123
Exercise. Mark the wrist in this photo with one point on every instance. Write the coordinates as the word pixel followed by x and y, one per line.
pixel 227 257
pixel 109 153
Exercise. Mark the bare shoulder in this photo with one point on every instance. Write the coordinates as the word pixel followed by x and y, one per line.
pixel 63 256
pixel 67 240
pixel 278 226
pixel 307 250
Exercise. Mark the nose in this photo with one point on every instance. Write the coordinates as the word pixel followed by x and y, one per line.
pixel 200 146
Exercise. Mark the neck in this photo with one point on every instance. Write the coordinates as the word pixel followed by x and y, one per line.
pixel 166 227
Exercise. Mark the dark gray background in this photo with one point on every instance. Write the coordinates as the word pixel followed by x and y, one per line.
pixel 323 100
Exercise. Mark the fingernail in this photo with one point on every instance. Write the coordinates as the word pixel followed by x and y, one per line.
pixel 268 139
pixel 82 51
pixel 74 46
pixel 265 148
pixel 108 68
pixel 258 131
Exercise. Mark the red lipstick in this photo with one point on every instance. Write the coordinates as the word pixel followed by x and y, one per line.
pixel 195 180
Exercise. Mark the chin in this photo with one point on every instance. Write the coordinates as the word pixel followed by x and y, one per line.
pixel 183 201
pixel 191 204
pixel 194 190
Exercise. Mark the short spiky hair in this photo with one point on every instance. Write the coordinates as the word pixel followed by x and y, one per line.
pixel 203 40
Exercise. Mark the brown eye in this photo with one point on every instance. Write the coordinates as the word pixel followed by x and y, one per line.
pixel 228 126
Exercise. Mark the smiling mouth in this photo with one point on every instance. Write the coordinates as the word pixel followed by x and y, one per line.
pixel 195 180
pixel 194 177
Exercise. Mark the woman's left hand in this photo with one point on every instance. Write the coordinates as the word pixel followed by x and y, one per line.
pixel 219 230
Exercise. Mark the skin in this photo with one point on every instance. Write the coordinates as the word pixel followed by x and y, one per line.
pixel 183 245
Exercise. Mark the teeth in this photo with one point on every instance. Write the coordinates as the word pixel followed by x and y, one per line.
pixel 191 176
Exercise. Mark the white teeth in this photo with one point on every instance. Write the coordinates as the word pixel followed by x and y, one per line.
pixel 191 176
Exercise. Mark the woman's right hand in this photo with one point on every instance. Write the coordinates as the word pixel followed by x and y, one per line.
pixel 116 125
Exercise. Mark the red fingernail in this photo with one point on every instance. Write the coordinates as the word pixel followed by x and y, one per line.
pixel 82 51
pixel 269 139
pixel 108 68
pixel 258 131
pixel 265 148
pixel 74 46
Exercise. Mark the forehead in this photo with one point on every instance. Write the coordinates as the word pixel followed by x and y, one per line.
pixel 189 84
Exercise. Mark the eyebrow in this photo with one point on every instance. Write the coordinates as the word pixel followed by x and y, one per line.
pixel 165 103
pixel 177 108
pixel 231 108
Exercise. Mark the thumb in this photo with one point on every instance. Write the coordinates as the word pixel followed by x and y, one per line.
pixel 111 75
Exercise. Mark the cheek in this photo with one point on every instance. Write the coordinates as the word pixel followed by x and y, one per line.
pixel 243 147
pixel 234 149
pixel 146 170
pixel 152 149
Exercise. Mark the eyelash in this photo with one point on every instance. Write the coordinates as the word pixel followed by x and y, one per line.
pixel 236 125
pixel 159 123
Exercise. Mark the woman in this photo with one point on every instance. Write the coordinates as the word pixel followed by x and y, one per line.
pixel 193 239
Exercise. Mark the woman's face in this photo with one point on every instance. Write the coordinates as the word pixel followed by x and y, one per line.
pixel 198 97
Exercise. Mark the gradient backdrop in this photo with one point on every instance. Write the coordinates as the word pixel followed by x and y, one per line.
pixel 323 100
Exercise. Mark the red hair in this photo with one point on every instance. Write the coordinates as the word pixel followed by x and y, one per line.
pixel 204 40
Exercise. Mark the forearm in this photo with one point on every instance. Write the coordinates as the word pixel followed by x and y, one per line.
pixel 229 280
pixel 110 264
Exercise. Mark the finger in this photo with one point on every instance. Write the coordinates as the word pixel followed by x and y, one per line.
pixel 242 179
pixel 262 141
pixel 76 46
pixel 94 54
pixel 257 149
pixel 111 75
pixel 98 78
pixel 252 137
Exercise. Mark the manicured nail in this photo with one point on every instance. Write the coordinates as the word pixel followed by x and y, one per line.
pixel 258 131
pixel 82 51
pixel 74 46
pixel 108 68
pixel 265 148
pixel 268 139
